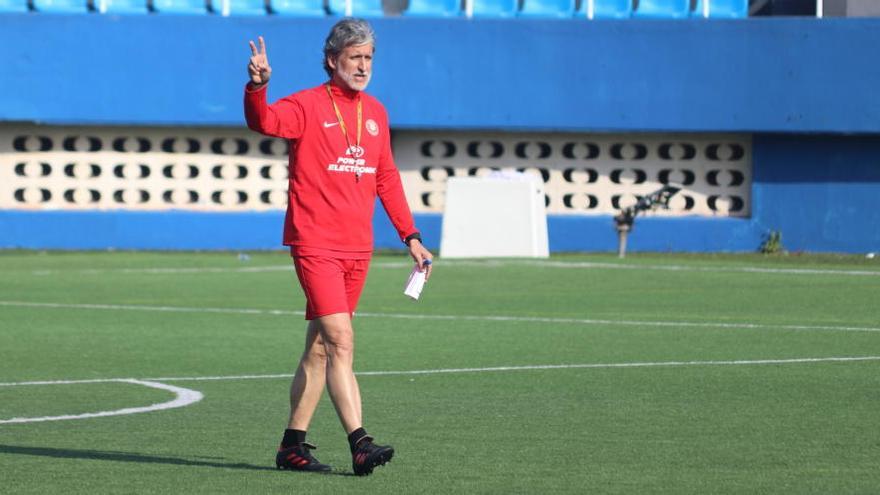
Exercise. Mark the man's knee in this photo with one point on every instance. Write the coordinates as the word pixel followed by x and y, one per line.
pixel 339 347
pixel 315 351
pixel 318 352
pixel 338 337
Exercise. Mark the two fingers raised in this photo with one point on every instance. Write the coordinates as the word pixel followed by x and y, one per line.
pixel 259 63
pixel 262 50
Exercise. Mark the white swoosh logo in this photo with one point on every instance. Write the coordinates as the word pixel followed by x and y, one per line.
pixel 330 124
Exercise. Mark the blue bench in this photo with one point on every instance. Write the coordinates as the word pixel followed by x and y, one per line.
pixel 663 9
pixel 433 8
pixel 730 9
pixel 246 7
pixel 13 6
pixel 181 7
pixel 495 8
pixel 359 8
pixel 607 9
pixel 61 6
pixel 123 7
pixel 547 8
pixel 298 8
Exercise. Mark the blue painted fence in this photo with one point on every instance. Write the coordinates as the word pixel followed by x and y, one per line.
pixel 767 75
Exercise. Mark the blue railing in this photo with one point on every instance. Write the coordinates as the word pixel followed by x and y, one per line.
pixel 586 9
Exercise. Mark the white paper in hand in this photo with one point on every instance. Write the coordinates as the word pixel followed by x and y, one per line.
pixel 415 283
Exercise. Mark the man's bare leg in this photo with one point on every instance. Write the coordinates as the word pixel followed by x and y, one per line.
pixel 305 392
pixel 356 393
pixel 337 334
pixel 308 383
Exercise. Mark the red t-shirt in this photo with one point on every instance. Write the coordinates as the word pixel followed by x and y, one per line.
pixel 332 188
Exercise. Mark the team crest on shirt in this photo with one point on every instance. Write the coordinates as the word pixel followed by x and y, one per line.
pixel 372 127
pixel 355 151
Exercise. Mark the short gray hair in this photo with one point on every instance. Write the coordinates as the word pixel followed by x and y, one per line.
pixel 345 33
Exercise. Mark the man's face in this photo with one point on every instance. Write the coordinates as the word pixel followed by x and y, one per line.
pixel 353 67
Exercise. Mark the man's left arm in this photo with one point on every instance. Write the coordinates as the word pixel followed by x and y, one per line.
pixel 390 190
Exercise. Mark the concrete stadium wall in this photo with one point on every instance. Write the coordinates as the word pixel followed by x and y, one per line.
pixel 804 87
pixel 819 191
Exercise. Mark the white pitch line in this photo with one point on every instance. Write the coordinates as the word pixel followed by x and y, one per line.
pixel 623 365
pixel 172 271
pixel 647 323
pixel 407 316
pixel 537 367
pixel 182 398
pixel 685 268
pixel 161 309
pixel 492 263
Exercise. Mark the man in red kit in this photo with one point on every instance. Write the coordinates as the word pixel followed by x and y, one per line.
pixel 340 160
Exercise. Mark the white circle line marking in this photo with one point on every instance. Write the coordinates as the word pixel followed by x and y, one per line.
pixel 182 397
pixel 648 364
pixel 526 319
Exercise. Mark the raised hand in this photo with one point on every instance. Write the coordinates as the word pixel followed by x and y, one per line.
pixel 259 68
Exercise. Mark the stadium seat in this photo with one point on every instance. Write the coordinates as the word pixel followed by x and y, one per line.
pixel 12 6
pixel 246 7
pixel 663 9
pixel 731 9
pixel 359 8
pixel 494 8
pixel 298 8
pixel 547 8
pixel 433 8
pixel 125 7
pixel 607 9
pixel 61 6
pixel 181 7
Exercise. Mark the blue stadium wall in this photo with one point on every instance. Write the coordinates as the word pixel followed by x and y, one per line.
pixel 805 89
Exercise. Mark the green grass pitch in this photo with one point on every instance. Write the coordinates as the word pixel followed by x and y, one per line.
pixel 579 374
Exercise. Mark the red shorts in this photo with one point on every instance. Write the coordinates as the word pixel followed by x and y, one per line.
pixel 331 285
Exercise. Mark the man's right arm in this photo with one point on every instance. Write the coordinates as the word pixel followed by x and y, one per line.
pixel 282 119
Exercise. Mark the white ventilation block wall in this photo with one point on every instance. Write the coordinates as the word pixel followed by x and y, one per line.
pixel 487 217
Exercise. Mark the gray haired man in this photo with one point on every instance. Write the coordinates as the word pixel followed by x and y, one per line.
pixel 340 162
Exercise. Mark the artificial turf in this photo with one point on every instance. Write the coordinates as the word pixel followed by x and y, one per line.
pixel 579 374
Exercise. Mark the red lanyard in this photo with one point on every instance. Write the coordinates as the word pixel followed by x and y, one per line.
pixel 360 113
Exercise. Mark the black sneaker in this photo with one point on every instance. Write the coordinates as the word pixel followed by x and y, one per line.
pixel 298 458
pixel 369 455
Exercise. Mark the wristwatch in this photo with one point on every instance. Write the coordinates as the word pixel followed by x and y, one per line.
pixel 414 235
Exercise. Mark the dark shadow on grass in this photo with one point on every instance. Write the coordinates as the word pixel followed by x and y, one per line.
pixel 103 455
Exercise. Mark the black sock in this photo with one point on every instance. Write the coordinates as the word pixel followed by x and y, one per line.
pixel 292 437
pixel 354 436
